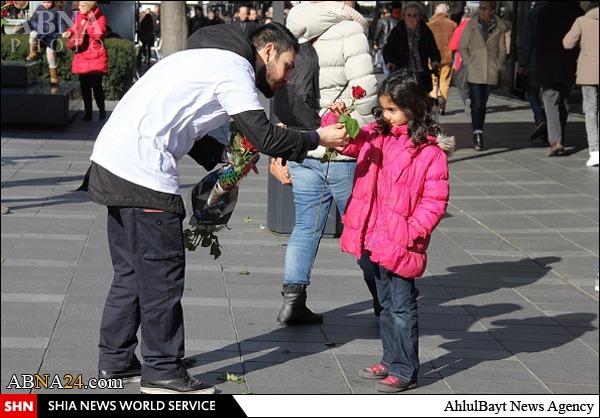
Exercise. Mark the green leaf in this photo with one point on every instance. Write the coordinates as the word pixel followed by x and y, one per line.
pixel 215 251
pixel 344 117
pixel 244 272
pixel 248 219
pixel 352 128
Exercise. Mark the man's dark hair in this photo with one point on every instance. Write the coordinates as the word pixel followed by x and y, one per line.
pixel 274 33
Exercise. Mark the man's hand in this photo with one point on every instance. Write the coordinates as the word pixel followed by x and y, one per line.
pixel 333 136
pixel 280 172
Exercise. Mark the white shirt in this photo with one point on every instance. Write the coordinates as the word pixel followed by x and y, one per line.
pixel 181 98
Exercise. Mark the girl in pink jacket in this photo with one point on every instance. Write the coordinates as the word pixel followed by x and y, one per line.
pixel 400 194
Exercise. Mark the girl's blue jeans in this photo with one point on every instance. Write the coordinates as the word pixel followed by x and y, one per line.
pixel 398 323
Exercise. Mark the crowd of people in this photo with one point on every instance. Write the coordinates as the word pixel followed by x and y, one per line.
pixel 390 180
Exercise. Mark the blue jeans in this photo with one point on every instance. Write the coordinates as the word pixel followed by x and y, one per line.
pixel 398 323
pixel 308 178
pixel 533 96
pixel 479 94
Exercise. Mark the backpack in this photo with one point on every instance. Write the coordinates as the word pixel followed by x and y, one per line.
pixel 297 104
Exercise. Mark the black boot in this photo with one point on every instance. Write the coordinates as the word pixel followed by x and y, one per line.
pixel 87 116
pixel 294 310
pixel 478 141
pixel 102 114
pixel 376 306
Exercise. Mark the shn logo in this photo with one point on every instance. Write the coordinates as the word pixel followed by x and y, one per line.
pixel 18 406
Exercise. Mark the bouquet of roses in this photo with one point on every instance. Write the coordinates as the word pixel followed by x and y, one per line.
pixel 215 196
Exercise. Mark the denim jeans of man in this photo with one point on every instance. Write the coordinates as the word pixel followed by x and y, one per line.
pixel 479 94
pixel 590 109
pixel 398 323
pixel 533 96
pixel 149 268
pixel 308 178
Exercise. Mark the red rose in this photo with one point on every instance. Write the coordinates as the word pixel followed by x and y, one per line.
pixel 358 92
pixel 247 145
pixel 4 13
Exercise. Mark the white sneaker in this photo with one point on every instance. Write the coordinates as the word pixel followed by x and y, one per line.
pixel 593 161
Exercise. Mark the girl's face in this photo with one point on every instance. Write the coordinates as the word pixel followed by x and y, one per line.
pixel 392 113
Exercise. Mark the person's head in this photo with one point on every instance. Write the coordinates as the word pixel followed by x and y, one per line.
pixel 87 7
pixel 198 11
pixel 486 10
pixel 404 101
pixel 268 20
pixel 276 50
pixel 413 13
pixel 217 13
pixel 243 13
pixel 48 5
pixel 74 6
pixel 211 15
pixel 157 9
pixel 252 14
pixel 442 8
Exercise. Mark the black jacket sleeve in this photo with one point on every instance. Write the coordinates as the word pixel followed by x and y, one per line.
pixel 207 151
pixel 273 140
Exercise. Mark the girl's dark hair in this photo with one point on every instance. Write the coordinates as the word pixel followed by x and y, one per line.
pixel 405 89
pixel 277 34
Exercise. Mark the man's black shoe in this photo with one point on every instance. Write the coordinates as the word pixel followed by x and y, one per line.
pixel 185 385
pixel 130 375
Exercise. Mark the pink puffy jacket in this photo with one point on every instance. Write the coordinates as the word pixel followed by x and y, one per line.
pixel 399 196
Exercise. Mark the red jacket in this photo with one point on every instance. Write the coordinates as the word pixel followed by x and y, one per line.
pixel 94 59
pixel 399 196
pixel 455 42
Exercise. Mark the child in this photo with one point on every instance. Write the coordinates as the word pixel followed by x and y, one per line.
pixel 47 26
pixel 399 196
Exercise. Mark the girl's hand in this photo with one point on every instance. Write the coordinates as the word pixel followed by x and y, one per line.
pixel 66 34
pixel 337 108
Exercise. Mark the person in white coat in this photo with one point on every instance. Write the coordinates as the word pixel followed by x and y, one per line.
pixel 339 36
pixel 584 32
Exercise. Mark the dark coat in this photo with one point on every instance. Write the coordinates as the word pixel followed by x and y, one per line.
pixel 396 50
pixel 552 61
pixel 43 20
pixel 383 30
pixel 248 27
